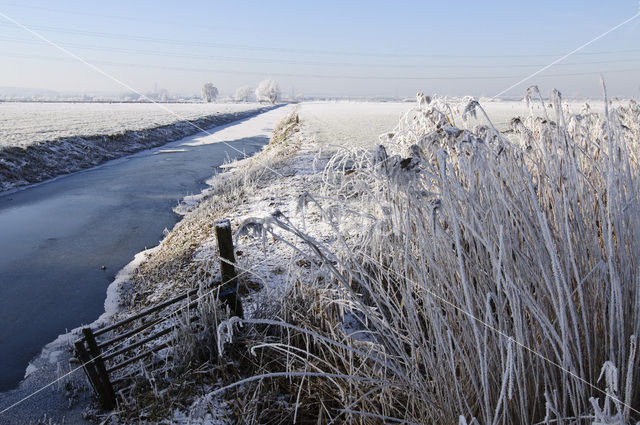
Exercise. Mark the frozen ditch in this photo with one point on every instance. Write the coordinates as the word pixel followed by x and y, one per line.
pixel 41 141
pixel 63 231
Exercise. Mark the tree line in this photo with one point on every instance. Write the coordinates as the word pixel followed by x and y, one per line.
pixel 267 91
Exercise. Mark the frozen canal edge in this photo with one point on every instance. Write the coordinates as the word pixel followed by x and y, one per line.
pixel 65 401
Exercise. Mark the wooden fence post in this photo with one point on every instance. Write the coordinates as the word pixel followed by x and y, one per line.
pixel 85 360
pixel 229 290
pixel 98 370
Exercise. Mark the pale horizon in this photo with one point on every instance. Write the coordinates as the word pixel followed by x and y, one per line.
pixel 354 50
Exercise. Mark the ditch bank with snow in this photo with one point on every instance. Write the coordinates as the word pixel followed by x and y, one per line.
pixel 362 318
pixel 36 162
pixel 65 400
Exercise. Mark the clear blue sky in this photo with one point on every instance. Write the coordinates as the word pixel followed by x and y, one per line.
pixel 339 48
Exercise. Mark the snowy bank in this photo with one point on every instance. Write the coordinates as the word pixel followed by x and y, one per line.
pixel 442 278
pixel 25 164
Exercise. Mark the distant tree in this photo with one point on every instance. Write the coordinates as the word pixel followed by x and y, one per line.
pixel 268 90
pixel 163 95
pixel 243 94
pixel 209 92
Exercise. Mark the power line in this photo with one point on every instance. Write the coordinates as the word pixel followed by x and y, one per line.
pixel 313 75
pixel 501 333
pixel 573 52
pixel 125 85
pixel 192 43
pixel 298 62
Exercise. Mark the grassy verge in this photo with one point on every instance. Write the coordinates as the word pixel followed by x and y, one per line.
pixel 473 279
pixel 461 278
pixel 191 366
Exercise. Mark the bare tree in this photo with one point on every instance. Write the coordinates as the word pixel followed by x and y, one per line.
pixel 243 94
pixel 209 92
pixel 163 95
pixel 268 90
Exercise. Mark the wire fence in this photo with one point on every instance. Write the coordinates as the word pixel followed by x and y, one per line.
pixel 458 308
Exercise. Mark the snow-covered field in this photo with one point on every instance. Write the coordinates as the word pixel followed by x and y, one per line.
pixel 353 123
pixel 22 124
pixel 359 124
pixel 39 141
pixel 350 123
pixel 501 112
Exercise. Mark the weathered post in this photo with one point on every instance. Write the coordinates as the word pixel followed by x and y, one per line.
pixel 108 396
pixel 94 368
pixel 85 360
pixel 229 290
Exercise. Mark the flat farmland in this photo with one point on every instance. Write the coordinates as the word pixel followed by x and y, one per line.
pixel 25 123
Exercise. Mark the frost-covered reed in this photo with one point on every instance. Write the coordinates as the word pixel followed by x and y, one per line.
pixel 472 278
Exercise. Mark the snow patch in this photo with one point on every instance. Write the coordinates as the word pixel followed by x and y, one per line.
pixel 30 369
pixel 113 302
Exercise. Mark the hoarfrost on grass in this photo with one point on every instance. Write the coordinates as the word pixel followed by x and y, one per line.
pixel 453 229
pixel 492 270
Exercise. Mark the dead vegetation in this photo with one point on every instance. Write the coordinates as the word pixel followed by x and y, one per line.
pixel 474 279
pixel 468 278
